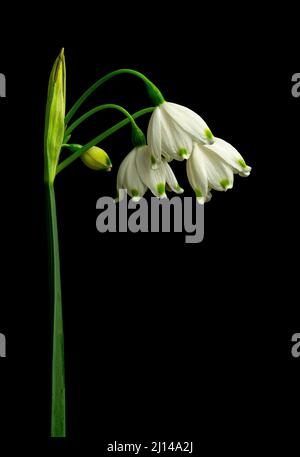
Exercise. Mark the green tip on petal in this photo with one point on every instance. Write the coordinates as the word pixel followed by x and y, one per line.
pixel 153 160
pixel 182 152
pixel 154 164
pixel 198 193
pixel 225 183
pixel 161 189
pixel 209 135
pixel 135 193
pixel 178 189
pixel 242 163
pixel 199 196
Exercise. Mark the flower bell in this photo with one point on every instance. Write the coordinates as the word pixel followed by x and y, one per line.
pixel 136 175
pixel 172 130
pixel 213 166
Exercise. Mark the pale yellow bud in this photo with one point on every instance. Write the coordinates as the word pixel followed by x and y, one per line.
pixel 96 159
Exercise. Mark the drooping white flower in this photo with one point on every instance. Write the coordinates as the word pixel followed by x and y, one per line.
pixel 128 177
pixel 136 175
pixel 172 130
pixel 213 166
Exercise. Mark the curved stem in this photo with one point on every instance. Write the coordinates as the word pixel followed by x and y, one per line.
pixel 95 110
pixel 105 78
pixel 100 137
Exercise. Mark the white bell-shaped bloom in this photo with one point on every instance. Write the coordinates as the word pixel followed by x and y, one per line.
pixel 213 166
pixel 172 131
pixel 136 175
pixel 128 177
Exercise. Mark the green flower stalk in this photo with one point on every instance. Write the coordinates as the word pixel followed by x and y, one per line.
pixel 54 134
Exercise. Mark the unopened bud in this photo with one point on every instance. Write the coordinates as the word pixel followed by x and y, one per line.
pixel 55 116
pixel 97 159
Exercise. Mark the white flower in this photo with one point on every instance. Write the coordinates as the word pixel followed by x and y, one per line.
pixel 172 130
pixel 213 166
pixel 136 175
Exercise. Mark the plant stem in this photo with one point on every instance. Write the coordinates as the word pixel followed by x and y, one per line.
pixel 105 78
pixel 95 110
pixel 58 406
pixel 100 138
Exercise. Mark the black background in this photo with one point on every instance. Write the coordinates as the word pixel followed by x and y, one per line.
pixel 164 340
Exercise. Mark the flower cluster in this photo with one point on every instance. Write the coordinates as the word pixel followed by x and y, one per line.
pixel 177 133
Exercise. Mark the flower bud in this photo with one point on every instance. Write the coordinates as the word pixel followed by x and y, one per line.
pixel 55 116
pixel 96 159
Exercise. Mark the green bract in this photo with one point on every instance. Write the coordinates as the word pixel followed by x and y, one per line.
pixel 55 116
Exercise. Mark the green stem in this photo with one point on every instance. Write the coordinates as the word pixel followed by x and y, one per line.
pixel 153 90
pixel 96 110
pixel 100 138
pixel 58 406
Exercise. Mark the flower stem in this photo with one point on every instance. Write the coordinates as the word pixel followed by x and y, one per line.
pixel 95 110
pixel 151 87
pixel 100 138
pixel 58 406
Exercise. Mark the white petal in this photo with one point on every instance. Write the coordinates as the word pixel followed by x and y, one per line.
pixel 171 178
pixel 165 137
pixel 189 121
pixel 231 156
pixel 208 196
pixel 166 156
pixel 154 179
pixel 175 141
pixel 128 177
pixel 219 174
pixel 196 173
pixel 154 137
pixel 122 169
